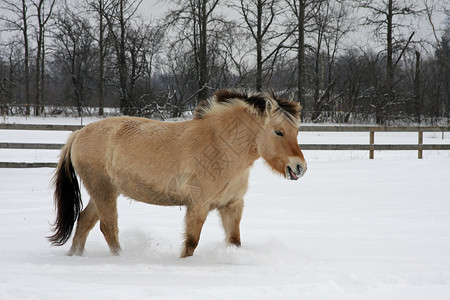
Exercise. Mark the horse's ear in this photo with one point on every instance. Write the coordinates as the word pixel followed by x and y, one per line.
pixel 291 98
pixel 270 106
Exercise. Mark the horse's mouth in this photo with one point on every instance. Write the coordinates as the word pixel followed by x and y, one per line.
pixel 291 175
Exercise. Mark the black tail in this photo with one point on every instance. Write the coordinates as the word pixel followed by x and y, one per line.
pixel 67 197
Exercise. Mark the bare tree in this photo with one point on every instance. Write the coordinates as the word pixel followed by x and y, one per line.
pixel 331 25
pixel 19 21
pixel 359 75
pixel 99 7
pixel 386 17
pixel 74 51
pixel 417 95
pixel 118 16
pixel 431 7
pixel 236 54
pixel 179 79
pixel 193 21
pixel 44 10
pixel 4 98
pixel 262 19
pixel 151 56
pixel 443 69
pixel 10 81
pixel 143 42
pixel 302 12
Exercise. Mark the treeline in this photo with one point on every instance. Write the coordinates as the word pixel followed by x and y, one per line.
pixel 103 53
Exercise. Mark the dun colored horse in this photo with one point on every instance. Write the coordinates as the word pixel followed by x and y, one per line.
pixel 202 164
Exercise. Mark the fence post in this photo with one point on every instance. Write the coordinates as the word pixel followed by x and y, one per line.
pixel 372 141
pixel 419 156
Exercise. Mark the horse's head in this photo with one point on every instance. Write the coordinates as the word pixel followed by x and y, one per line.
pixel 278 120
pixel 278 142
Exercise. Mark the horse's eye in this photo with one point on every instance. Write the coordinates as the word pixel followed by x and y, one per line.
pixel 279 132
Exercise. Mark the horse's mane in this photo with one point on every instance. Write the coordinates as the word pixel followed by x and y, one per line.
pixel 255 101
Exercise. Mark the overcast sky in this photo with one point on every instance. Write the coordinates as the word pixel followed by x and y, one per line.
pixel 363 37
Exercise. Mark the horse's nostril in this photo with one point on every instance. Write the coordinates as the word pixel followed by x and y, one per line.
pixel 299 169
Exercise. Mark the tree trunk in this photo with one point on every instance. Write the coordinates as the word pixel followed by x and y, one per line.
pixel 10 78
pixel 101 61
pixel 37 82
pixel 203 56
pixel 318 104
pixel 259 48
pixel 301 52
pixel 42 84
pixel 26 58
pixel 389 61
pixel 317 73
pixel 417 97
pixel 42 19
pixel 125 105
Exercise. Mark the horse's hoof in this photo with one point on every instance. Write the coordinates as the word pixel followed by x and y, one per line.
pixel 73 252
pixel 186 254
pixel 234 242
pixel 116 252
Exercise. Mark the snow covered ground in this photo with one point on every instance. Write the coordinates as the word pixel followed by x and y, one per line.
pixel 352 228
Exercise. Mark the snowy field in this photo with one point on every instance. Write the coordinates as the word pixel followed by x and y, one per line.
pixel 352 228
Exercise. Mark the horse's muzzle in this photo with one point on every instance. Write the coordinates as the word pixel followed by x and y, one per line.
pixel 296 172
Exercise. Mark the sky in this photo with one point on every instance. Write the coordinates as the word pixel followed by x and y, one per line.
pixel 362 36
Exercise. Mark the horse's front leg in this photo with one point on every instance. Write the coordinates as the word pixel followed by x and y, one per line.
pixel 231 218
pixel 195 218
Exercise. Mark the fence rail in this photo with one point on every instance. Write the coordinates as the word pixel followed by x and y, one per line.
pixel 43 127
pixel 30 146
pixel 371 146
pixel 21 165
pixel 377 147
pixel 356 128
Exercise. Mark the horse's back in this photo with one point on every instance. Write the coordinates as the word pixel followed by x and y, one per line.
pixel 93 141
pixel 129 153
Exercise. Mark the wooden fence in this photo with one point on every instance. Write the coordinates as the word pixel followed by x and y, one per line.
pixel 371 146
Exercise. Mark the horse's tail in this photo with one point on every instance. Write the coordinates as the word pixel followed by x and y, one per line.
pixel 67 196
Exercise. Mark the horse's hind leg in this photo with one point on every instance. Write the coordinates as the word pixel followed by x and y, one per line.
pixel 107 211
pixel 104 195
pixel 231 218
pixel 87 220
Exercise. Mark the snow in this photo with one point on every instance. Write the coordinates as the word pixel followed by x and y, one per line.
pixel 351 228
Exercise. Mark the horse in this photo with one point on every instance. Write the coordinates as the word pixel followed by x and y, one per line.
pixel 202 164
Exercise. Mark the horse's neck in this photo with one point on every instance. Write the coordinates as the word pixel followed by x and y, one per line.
pixel 237 134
